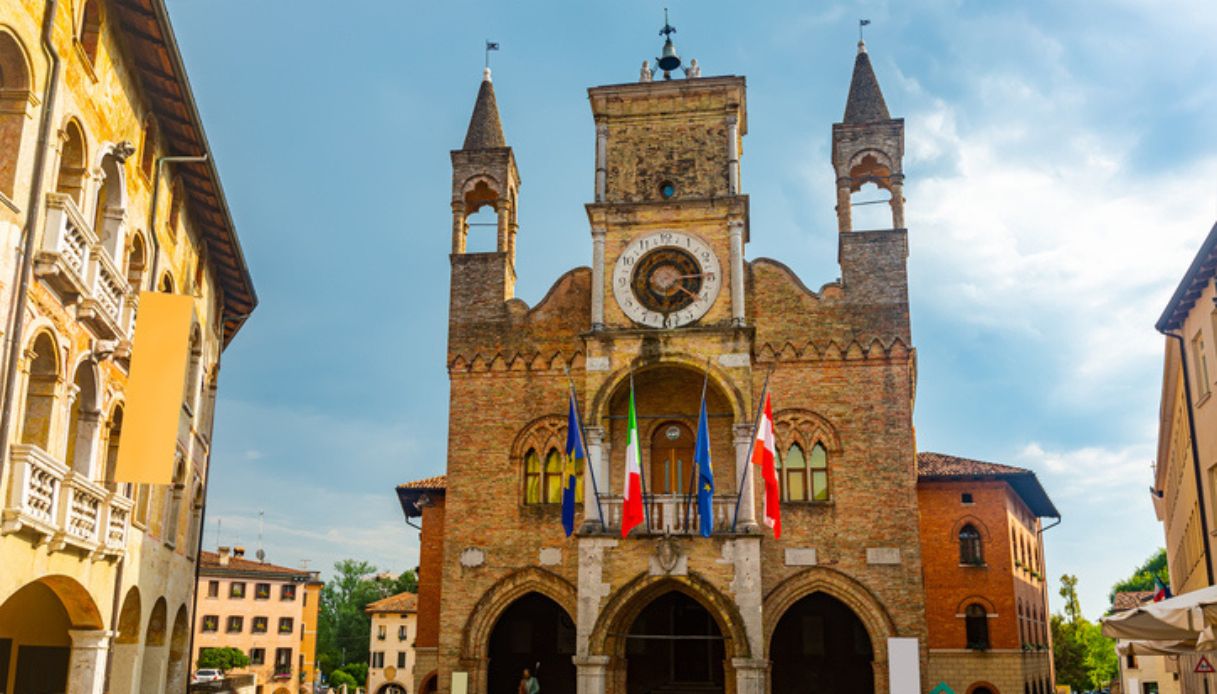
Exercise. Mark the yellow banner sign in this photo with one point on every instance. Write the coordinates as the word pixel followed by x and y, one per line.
pixel 160 355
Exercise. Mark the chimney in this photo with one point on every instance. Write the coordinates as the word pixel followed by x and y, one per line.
pixel 223 551
pixel 238 551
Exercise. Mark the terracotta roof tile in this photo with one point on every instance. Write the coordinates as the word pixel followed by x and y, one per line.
pixel 1130 599
pixel 437 482
pixel 211 561
pixel 402 602
pixel 939 467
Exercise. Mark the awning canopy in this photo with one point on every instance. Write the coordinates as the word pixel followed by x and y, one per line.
pixel 1155 647
pixel 1187 622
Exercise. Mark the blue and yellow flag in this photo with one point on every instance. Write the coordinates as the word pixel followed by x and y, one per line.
pixel 570 468
pixel 705 474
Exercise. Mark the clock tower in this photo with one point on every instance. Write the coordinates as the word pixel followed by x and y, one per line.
pixel 668 222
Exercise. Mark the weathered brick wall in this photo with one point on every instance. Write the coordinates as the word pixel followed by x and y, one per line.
pixel 430 571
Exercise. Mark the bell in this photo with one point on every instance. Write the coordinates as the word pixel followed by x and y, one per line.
pixel 669 61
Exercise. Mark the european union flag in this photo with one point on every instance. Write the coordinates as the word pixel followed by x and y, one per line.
pixel 570 470
pixel 705 474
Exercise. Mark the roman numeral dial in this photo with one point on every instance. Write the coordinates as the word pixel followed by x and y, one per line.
pixel 666 279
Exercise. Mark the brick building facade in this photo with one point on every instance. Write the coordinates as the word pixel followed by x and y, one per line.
pixel 670 308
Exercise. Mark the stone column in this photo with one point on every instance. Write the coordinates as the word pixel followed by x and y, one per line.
pixel 844 213
pixel 592 677
pixel 747 506
pixel 591 515
pixel 733 154
pixel 124 670
pixel 598 278
pixel 897 201
pixel 459 230
pixel 736 231
pixel 601 161
pixel 87 663
pixel 750 675
pixel 503 208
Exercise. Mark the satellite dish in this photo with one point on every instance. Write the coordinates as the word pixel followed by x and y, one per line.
pixel 261 554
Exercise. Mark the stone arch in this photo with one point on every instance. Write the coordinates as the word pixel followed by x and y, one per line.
pixel 981 600
pixel 154 635
pixel 537 438
pixel 429 683
pixel 110 201
pixel 979 687
pixel 598 410
pixel 628 602
pixel 73 161
pixel 15 92
pixel 870 165
pixel 41 389
pixel 129 618
pixel 89 33
pixel 475 637
pixel 975 522
pixel 166 283
pixel 179 649
pixel 82 612
pixel 805 427
pixel 137 260
pixel 84 418
pixel 153 667
pixel 125 658
pixel 847 590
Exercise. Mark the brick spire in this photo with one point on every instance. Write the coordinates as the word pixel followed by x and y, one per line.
pixel 485 128
pixel 865 103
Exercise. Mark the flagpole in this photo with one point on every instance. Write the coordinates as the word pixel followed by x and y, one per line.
pixel 756 422
pixel 696 467
pixel 583 441
pixel 642 478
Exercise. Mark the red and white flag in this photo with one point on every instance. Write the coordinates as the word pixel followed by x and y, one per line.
pixel 632 512
pixel 763 452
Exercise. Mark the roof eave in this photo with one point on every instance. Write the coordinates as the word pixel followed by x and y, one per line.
pixel 1198 273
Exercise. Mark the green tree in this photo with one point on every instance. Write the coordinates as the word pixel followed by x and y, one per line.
pixel 223 659
pixel 340 677
pixel 344 627
pixel 1084 658
pixel 358 671
pixel 1143 576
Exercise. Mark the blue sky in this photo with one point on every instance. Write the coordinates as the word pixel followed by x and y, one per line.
pixel 1060 174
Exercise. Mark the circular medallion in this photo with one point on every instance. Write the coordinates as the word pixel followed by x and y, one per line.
pixel 672 433
pixel 666 279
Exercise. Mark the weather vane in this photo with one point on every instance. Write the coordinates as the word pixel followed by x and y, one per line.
pixel 861 23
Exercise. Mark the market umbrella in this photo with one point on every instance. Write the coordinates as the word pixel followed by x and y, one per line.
pixel 1191 617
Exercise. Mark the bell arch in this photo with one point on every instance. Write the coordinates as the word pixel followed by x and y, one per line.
pixel 599 408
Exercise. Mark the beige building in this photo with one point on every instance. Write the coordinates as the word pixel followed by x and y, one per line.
pixel 1145 674
pixel 269 612
pixel 97 579
pixel 1185 477
pixel 391 644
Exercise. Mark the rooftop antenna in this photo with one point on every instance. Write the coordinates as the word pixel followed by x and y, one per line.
pixel 261 553
pixel 219 529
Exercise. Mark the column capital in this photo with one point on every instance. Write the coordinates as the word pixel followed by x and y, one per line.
pixel 601 129
pixel 90 639
pixel 743 432
pixel 735 226
pixel 598 233
pixel 595 434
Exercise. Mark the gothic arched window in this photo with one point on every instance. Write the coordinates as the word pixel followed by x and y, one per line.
pixel 804 442
pixel 976 621
pixel 971 550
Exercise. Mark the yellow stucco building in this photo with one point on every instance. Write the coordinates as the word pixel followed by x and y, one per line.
pixel 1185 475
pixel 105 191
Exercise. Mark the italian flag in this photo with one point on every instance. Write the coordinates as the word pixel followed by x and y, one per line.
pixel 763 452
pixel 631 507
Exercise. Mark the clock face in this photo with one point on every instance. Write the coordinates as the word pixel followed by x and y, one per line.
pixel 666 279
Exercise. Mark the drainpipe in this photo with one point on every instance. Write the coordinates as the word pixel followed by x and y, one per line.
pixel 156 192
pixel 1191 426
pixel 31 226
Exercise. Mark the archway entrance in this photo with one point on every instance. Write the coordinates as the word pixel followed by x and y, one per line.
pixel 534 633
pixel 821 647
pixel 35 641
pixel 674 646
pixel 391 688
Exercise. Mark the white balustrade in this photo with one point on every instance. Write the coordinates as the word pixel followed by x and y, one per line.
pixel 671 514
pixel 67 236
pixel 118 521
pixel 82 505
pixel 108 287
pixel 35 486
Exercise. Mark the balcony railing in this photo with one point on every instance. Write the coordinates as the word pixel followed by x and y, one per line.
pixel 72 260
pixel 47 497
pixel 671 514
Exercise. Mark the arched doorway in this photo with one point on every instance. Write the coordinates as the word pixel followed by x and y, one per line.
pixel 821 647
pixel 534 633
pixel 674 645
pixel 124 672
pixel 37 626
pixel 391 688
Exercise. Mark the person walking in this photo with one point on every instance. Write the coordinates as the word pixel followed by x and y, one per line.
pixel 529 684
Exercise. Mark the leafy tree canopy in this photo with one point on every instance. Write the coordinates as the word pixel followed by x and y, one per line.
pixel 223 659
pixel 1084 658
pixel 1143 576
pixel 344 627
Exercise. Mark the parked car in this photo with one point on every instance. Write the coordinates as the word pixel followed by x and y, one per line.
pixel 208 675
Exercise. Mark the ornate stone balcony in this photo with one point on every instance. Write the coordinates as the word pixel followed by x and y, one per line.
pixel 62 507
pixel 73 262
pixel 670 514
